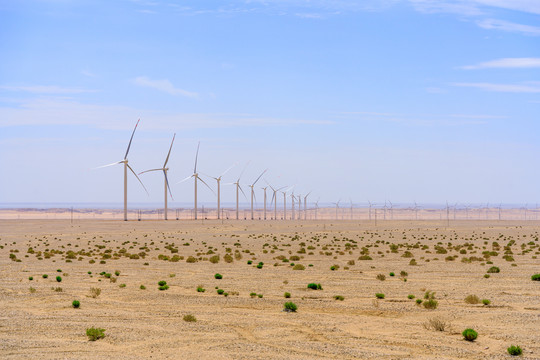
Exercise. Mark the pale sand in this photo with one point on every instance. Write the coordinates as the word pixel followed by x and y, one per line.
pixel 149 323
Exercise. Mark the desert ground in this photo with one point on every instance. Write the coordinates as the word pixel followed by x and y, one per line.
pixel 449 260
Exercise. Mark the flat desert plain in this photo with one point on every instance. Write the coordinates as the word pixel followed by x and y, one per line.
pixel 116 257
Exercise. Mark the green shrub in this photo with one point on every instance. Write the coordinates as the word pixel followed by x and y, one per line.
pixel 486 302
pixel 535 277
pixel 379 295
pixel 418 301
pixel 218 276
pixel 287 295
pixel 339 297
pixel 31 278
pixel 122 285
pixel 381 277
pixel 514 350
pixel 162 283
pixel 411 296
pixel 299 267
pixel 259 266
pixel 76 304
pixel 220 291
pixel 290 307
pixel 142 287
pixel 191 259
pixel 314 286
pixel 45 276
pixel 487 276
pixel 200 289
pixel 260 296
pixel 95 333
pixel 59 278
pixel 58 270
pixel 392 274
pixel 493 270
pixel 334 267
pixel 249 262
pixel 117 273
pixel 431 304
pixel 190 318
pixel 252 294
pixel 469 334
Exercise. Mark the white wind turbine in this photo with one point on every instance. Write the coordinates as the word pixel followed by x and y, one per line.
pixel 316 208
pixel 218 179
pixel 337 207
pixel 292 205
pixel 196 177
pixel 238 187
pixel 126 166
pixel 305 206
pixel 253 191
pixel 164 169
pixel 274 198
pixel 285 202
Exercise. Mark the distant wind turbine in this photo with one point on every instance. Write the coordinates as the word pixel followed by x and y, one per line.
pixel 196 178
pixel 165 169
pixel 274 198
pixel 218 179
pixel 337 207
pixel 252 186
pixel 238 187
pixel 126 166
pixel 305 206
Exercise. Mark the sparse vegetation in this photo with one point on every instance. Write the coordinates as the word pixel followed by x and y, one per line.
pixel 339 297
pixel 472 299
pixel 514 350
pixel 95 333
pixel 190 318
pixel 314 286
pixel 535 277
pixel 218 276
pixel 76 304
pixel 287 295
pixel 290 307
pixel 469 334
pixel 436 324
pixel 379 295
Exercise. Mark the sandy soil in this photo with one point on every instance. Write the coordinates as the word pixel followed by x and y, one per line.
pixel 149 323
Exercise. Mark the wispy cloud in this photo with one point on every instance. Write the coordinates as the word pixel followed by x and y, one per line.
pixel 163 85
pixel 528 6
pixel 54 111
pixel 502 25
pixel 45 89
pixel 506 63
pixel 423 119
pixel 467 8
pixel 529 87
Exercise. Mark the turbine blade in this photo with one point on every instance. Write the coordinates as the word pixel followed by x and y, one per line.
pixel 130 140
pixel 145 171
pixel 99 167
pixel 138 179
pixel 186 179
pixel 196 157
pixel 169 154
pixel 242 191
pixel 201 180
pixel 259 177
pixel 273 197
pixel 167 182
pixel 226 171
pixel 245 167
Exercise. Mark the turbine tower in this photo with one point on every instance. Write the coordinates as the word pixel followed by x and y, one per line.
pixel 305 206
pixel 126 166
pixel 253 191
pixel 274 198
pixel 238 187
pixel 164 169
pixel 196 177
pixel 218 179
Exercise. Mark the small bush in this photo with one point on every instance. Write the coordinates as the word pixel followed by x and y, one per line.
pixel 122 285
pixel 493 270
pixel 487 276
pixel 418 301
pixel 249 262
pixel 314 286
pixel 410 297
pixel 162 283
pixel 472 299
pixel 220 291
pixel 95 333
pixel 142 287
pixel 287 295
pixel 218 276
pixel 514 350
pixel 535 277
pixel 191 259
pixel 190 318
pixel 403 273
pixel 252 294
pixel 436 324
pixel 392 274
pixel 381 277
pixel 469 334
pixel 200 289
pixel 163 287
pixel 214 259
pixel 94 292
pixel 260 296
pixel 32 290
pixel 486 302
pixel 339 297
pixel 290 307
pixel 117 273
pixel 46 276
pixel 59 278
pixel 379 296
pixel 299 267
pixel 431 304
pixel 76 304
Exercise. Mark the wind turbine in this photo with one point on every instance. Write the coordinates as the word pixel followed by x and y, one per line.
pixel 218 179
pixel 264 206
pixel 370 205
pixel 292 205
pixel 274 198
pixel 316 207
pixel 253 191
pixel 126 166
pixel 305 206
pixel 238 187
pixel 415 210
pixel 196 177
pixel 351 208
pixel 337 207
pixel 164 169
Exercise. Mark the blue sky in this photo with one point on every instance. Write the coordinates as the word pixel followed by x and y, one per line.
pixel 426 100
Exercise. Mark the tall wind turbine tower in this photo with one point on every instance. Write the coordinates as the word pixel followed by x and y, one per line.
pixel 166 186
pixel 274 198
pixel 218 179
pixel 253 191
pixel 305 206
pixel 126 166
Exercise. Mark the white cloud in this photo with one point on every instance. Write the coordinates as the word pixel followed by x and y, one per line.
pixel 530 87
pixel 529 6
pixel 163 85
pixel 45 89
pixel 468 8
pixel 54 111
pixel 506 63
pixel 495 24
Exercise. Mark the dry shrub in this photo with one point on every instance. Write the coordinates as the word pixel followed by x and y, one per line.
pixel 436 324
pixel 472 299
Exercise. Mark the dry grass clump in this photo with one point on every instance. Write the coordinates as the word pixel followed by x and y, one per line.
pixel 436 324
pixel 472 299
pixel 95 292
